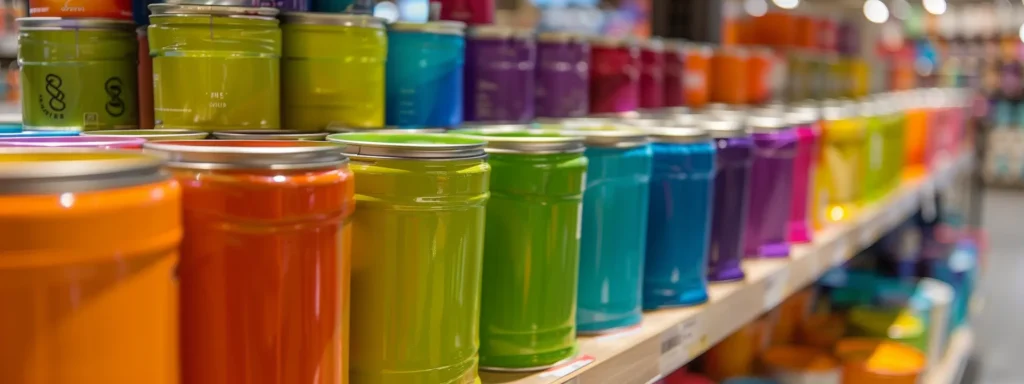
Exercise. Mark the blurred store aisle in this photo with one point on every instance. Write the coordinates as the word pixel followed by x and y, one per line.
pixel 999 331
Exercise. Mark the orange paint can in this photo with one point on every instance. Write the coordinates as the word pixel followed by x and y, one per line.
pixel 800 365
pixel 88 246
pixel 872 361
pixel 697 74
pixel 105 9
pixel 265 260
pixel 760 68
pixel 729 75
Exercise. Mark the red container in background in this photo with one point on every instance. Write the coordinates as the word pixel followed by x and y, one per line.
pixel 697 75
pixel 729 77
pixel 145 74
pixel 827 30
pixel 105 9
pixel 760 67
pixel 806 32
pixel 614 76
pixel 652 74
pixel 674 90
pixel 471 12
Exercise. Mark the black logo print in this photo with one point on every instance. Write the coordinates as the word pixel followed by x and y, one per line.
pixel 115 106
pixel 53 83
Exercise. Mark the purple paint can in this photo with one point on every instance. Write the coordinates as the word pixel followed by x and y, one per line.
pixel 771 183
pixel 733 159
pixel 563 75
pixel 499 74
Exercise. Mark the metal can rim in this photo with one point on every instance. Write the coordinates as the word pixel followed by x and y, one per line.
pixel 247 154
pixel 562 37
pixel 143 133
pixel 108 169
pixel 766 123
pixel 62 23
pixel 612 42
pixel 339 19
pixel 387 129
pixel 179 9
pixel 676 135
pixel 456 28
pixel 357 145
pixel 606 138
pixel 499 32
pixel 723 128
pixel 276 134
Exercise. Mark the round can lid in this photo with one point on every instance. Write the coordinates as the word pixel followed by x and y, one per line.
pixel 160 9
pixel 612 42
pixel 59 170
pixel 340 19
pixel 247 154
pixel 722 128
pixel 521 140
pixel 838 110
pixel 152 134
pixel 439 27
pixel 804 114
pixel 676 135
pixel 52 23
pixel 426 146
pixel 497 32
pixel 72 141
pixel 766 123
pixel 605 137
pixel 385 130
pixel 561 37
pixel 277 134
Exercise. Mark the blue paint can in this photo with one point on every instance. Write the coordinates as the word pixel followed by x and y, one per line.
pixel 614 229
pixel 679 220
pixel 424 74
pixel 38 134
pixel 343 6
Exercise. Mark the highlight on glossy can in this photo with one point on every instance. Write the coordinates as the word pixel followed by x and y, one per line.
pixel 424 74
pixel 99 9
pixel 867 361
pixel 771 185
pixel 729 75
pixel 804 120
pixel 614 75
pixel 317 48
pixel 215 68
pixel 733 159
pixel 801 365
pixel 614 228
pixel 531 248
pixel 842 160
pixel 145 80
pixel 343 6
pixel 151 134
pixel 418 243
pixel 78 74
pixel 73 142
pixel 563 75
pixel 697 75
pixel 679 219
pixel 652 74
pixel 89 251
pixel 472 12
pixel 267 243
pixel 499 75
pixel 674 89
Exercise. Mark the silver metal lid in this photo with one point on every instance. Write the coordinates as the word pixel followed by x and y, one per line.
pixel 561 37
pixel 586 122
pixel 279 134
pixel 766 123
pixel 676 135
pixel 499 32
pixel 606 138
pixel 838 110
pixel 57 23
pixel 426 146
pixel 151 134
pixel 388 129
pixel 167 9
pixel 440 27
pixel 666 122
pixel 511 139
pixel 721 128
pixel 612 42
pixel 61 170
pixel 803 114
pixel 246 154
pixel 339 19
pixel 653 44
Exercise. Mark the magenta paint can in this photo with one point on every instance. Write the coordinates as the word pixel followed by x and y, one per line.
pixel 771 184
pixel 614 75
pixel 674 90
pixel 102 142
pixel 472 12
pixel 499 75
pixel 804 120
pixel 652 74
pixel 733 159
pixel 563 75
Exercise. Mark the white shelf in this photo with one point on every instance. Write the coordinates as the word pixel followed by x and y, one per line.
pixel 668 339
pixel 951 369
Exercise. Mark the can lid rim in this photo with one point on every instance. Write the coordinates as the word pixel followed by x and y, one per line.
pixel 106 170
pixel 144 133
pixel 447 27
pixel 172 9
pixel 247 154
pixel 42 23
pixel 534 142
pixel 677 135
pixel 343 19
pixel 432 147
pixel 255 134
pixel 500 32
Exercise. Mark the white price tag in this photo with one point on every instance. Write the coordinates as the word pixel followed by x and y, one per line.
pixel 680 344
pixel 775 289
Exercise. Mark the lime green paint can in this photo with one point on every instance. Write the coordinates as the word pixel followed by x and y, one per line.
pixel 215 68
pixel 417 249
pixel 531 251
pixel 318 47
pixel 78 74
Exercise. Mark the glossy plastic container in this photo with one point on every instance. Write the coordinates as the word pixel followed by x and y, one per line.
pixel 499 74
pixel 790 314
pixel 267 244
pixel 417 254
pixel 531 248
pixel 940 296
pixel 679 220
pixel 917 131
pixel 215 68
pixel 805 120
pixel 771 185
pixel 760 69
pixel 730 76
pixel 424 74
pixel 801 365
pixel 563 75
pixel 614 229
pixel 614 76
pixel 98 303
pixel 904 325
pixel 874 182
pixel 894 125
pixel 697 73
pixel 842 161
pixel 873 361
pixel 74 142
pixel 97 9
pixel 145 77
pixel 674 90
pixel 822 331
pixel 270 135
pixel 652 74
pixel 152 134
pixel 316 48
pixel 78 74
pixel 733 159
pixel 472 12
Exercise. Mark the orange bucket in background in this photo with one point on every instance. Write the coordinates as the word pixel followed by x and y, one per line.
pixel 871 361
pixel 760 66
pixel 822 331
pixel 791 313
pixel 775 29
pixel 796 365
pixel 736 355
pixel 729 76
pixel 697 74
pixel 88 249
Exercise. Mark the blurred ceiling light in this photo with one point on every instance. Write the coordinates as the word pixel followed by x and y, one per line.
pixel 1021 33
pixel 900 9
pixel 756 8
pixel 935 7
pixel 786 4
pixel 876 11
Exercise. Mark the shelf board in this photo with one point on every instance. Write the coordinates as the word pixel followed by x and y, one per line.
pixel 669 338
pixel 951 369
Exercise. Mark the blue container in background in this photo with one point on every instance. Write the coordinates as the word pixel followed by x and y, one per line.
pixel 679 220
pixel 614 230
pixel 38 134
pixel 343 6
pixel 424 74
pixel 10 128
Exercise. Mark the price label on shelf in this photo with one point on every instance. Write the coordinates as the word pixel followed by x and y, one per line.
pixel 681 343
pixel 775 288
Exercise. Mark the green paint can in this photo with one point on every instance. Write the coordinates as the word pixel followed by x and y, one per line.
pixel 215 68
pixel 531 251
pixel 417 248
pixel 78 74
pixel 317 48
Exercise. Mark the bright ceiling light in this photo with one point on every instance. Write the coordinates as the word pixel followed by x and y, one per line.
pixel 935 7
pixel 786 4
pixel 876 11
pixel 1021 33
pixel 756 8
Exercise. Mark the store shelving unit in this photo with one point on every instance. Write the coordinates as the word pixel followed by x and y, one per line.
pixel 668 339
pixel 958 352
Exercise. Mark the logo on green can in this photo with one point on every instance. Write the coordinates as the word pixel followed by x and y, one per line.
pixel 56 102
